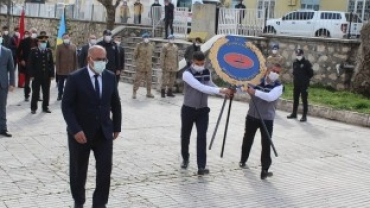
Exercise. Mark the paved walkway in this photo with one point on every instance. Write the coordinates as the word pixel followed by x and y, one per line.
pixel 321 163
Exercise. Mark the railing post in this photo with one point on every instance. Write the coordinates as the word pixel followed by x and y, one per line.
pixel 350 24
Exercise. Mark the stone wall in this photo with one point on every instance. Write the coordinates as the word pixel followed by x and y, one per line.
pixel 79 29
pixel 324 54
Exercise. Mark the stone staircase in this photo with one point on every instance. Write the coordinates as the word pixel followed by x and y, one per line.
pixel 129 44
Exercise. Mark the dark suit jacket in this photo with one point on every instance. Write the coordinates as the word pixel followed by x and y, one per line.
pixel 83 111
pixel 82 62
pixel 6 68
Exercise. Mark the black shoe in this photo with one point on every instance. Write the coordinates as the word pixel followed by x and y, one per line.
pixel 47 110
pixel 79 206
pixel 303 119
pixel 26 99
pixel 5 133
pixel 243 165
pixel 163 93
pixel 184 164
pixel 292 116
pixel 169 93
pixel 33 111
pixel 202 171
pixel 265 174
pixel 59 98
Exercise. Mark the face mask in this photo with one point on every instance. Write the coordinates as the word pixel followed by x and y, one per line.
pixel 273 76
pixel 92 41
pixel 6 32
pixel 117 42
pixel 172 41
pixel 43 46
pixel 108 38
pixel 274 51
pixel 198 68
pixel 34 35
pixel 197 44
pixel 26 36
pixel 99 66
pixel 146 40
pixel 17 34
pixel 299 58
pixel 66 41
pixel 1 40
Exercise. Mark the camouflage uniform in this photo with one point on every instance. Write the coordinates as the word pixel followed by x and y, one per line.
pixel 169 65
pixel 275 59
pixel 143 65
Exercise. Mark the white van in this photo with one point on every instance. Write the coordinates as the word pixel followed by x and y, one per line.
pixel 311 23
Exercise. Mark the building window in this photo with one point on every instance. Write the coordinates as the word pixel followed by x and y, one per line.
pixel 360 7
pixel 310 4
pixel 262 5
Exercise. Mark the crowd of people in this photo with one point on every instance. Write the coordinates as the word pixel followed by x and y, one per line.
pixel 91 103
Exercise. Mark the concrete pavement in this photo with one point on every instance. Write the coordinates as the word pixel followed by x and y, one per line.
pixel 321 163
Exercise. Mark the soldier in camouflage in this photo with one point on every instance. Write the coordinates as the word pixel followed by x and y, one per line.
pixel 169 65
pixel 143 65
pixel 275 58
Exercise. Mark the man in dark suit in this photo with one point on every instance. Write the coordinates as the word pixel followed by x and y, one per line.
pixel 6 84
pixel 112 51
pixel 90 96
pixel 82 62
pixel 121 55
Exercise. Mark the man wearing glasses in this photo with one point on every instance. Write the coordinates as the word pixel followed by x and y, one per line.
pixel 265 95
pixel 41 69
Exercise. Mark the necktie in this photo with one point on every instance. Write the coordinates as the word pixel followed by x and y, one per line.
pixel 97 88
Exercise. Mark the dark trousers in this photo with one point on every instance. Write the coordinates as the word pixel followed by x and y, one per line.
pixel 118 77
pixel 3 100
pixel 251 126
pixel 78 165
pixel 44 84
pixel 168 23
pixel 27 88
pixel 61 80
pixel 200 117
pixel 300 90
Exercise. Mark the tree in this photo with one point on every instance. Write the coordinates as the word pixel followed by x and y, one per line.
pixel 111 11
pixel 361 82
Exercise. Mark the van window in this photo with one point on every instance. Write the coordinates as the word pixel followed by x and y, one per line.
pixel 355 18
pixel 184 3
pixel 291 16
pixel 330 15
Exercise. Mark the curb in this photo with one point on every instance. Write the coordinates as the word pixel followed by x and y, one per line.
pixel 359 119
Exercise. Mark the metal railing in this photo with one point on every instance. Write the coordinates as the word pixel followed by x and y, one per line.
pixel 180 22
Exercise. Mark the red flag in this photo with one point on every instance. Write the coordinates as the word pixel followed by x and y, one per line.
pixel 21 25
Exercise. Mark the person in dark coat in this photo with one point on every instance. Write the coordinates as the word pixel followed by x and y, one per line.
pixel 169 10
pixel 14 43
pixel 302 74
pixel 24 49
pixel 40 67
pixel 121 55
pixel 191 49
pixel 82 58
pixel 6 37
pixel 92 111
pixel 112 51
pixel 242 8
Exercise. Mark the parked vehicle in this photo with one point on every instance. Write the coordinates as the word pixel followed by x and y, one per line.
pixel 311 23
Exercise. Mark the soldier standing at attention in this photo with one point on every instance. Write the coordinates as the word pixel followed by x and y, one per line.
pixel 275 58
pixel 143 65
pixel 41 68
pixel 169 65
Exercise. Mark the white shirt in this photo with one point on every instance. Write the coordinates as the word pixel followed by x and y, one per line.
pixel 273 95
pixel 194 83
pixel 92 78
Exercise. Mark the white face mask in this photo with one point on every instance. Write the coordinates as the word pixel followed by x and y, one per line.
pixel 299 58
pixel 198 68
pixel 17 34
pixel 6 32
pixel 273 76
pixel 26 36
pixel 108 38
pixel 34 35
pixel 197 44
pixel 92 41
pixel 66 41
pixel 274 51
pixel 146 40
pixel 117 42
pixel 99 66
